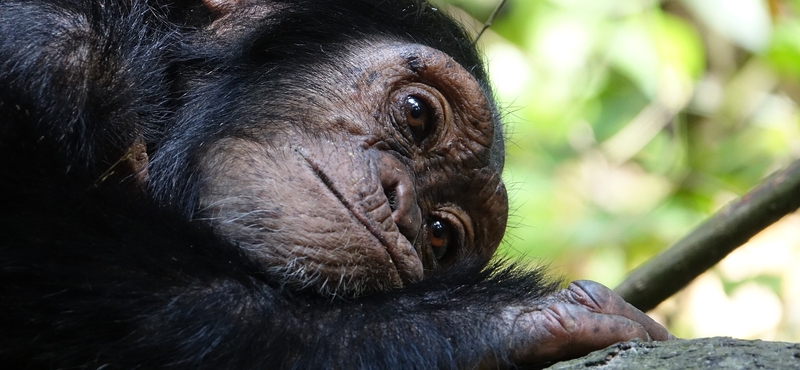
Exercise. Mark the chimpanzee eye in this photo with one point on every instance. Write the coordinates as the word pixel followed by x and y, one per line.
pixel 417 112
pixel 439 235
pixel 418 116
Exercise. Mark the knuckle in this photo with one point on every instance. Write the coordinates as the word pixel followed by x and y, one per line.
pixel 558 321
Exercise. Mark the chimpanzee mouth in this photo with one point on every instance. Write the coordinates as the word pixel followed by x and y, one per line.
pixel 406 272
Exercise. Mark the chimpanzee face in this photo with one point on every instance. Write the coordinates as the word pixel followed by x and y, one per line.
pixel 374 179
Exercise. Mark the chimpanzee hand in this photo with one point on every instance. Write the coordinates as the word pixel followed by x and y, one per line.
pixel 572 322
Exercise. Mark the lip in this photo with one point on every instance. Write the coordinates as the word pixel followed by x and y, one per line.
pixel 406 274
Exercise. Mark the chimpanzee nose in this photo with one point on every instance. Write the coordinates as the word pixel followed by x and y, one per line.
pixel 399 189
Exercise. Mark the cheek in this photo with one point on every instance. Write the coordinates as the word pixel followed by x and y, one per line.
pixel 276 207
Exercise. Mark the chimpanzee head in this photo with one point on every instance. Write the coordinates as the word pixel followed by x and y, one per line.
pixel 345 157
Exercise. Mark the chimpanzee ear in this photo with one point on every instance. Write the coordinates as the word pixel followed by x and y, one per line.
pixel 221 7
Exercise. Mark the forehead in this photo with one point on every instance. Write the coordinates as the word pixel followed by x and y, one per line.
pixel 318 23
pixel 329 26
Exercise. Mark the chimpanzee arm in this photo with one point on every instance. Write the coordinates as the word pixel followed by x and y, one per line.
pixel 138 289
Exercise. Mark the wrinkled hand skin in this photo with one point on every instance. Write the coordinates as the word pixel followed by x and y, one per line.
pixel 584 317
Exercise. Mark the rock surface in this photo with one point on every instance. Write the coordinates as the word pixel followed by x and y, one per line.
pixel 703 353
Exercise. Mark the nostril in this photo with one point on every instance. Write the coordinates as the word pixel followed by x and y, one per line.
pixel 391 195
pixel 399 190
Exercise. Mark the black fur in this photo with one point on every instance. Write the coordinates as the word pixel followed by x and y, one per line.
pixel 96 273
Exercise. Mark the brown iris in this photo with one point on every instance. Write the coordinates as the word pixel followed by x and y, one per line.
pixel 439 237
pixel 418 116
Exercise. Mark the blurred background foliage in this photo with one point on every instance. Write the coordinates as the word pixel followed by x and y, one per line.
pixel 629 122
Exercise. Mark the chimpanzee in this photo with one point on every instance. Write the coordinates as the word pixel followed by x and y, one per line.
pixel 264 184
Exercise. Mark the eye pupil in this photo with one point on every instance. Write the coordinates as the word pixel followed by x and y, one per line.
pixel 414 107
pixel 417 112
pixel 416 116
pixel 439 238
pixel 438 229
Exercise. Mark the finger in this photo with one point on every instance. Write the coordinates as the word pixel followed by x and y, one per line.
pixel 599 298
pixel 565 330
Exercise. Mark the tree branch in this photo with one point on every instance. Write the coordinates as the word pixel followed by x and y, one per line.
pixel 673 269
